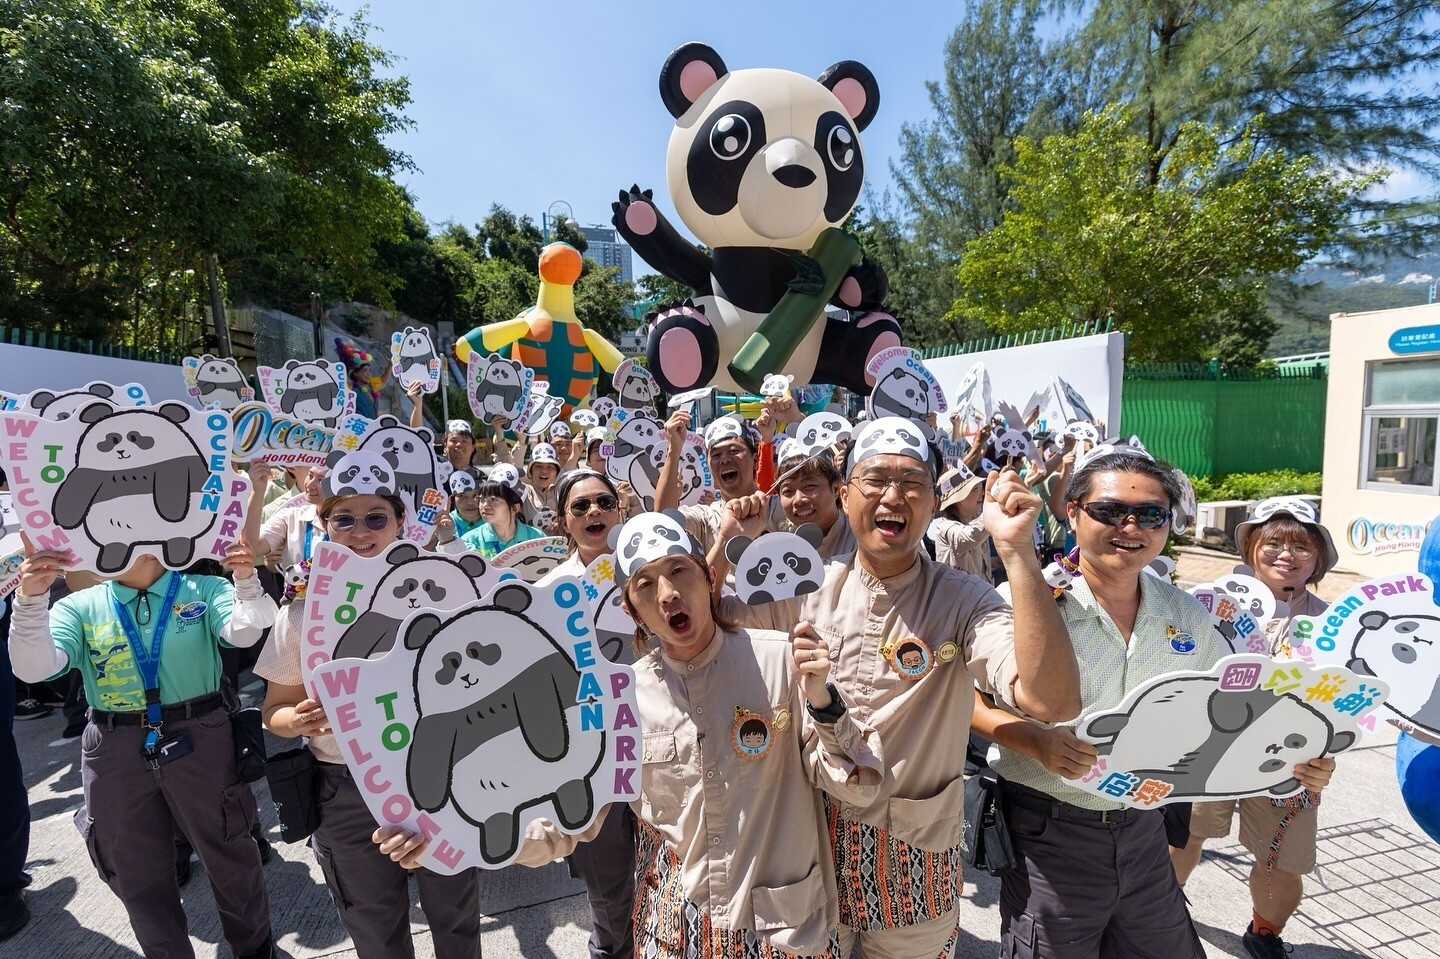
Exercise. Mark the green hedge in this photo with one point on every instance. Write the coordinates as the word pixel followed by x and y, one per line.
pixel 1254 485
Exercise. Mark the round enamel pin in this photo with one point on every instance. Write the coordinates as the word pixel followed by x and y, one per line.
pixel 750 735
pixel 947 652
pixel 781 722
pixel 911 658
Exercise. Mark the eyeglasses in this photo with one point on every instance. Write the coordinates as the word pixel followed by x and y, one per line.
pixel 1111 513
pixel 1273 550
pixel 581 506
pixel 910 484
pixel 491 500
pixel 376 521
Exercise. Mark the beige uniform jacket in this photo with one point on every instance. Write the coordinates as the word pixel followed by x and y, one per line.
pixel 965 546
pixel 839 541
pixel 1279 628
pixel 749 833
pixel 925 722
pixel 535 499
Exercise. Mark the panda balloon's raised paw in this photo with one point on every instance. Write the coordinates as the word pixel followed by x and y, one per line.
pixel 688 351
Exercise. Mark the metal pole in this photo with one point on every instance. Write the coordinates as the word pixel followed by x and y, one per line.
pixel 317 322
pixel 217 309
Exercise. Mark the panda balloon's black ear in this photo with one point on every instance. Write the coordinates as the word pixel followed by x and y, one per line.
pixel 422 629
pixel 854 86
pixel 735 548
pixel 402 553
pixel 95 412
pixel 512 597
pixel 688 72
pixel 810 533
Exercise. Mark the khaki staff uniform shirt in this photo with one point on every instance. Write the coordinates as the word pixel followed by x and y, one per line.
pixel 925 723
pixel 749 833
pixel 1110 668
pixel 965 546
pixel 536 499
pixel 839 541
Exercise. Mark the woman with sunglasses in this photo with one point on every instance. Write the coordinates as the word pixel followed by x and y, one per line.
pixel 369 890
pixel 1284 543
pixel 501 510
pixel 156 766
pixel 1094 876
pixel 742 731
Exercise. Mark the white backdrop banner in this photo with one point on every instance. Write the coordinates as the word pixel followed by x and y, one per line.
pixel 1092 365
pixel 24 369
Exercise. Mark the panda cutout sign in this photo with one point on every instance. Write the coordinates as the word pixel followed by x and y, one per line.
pixel 1239 606
pixel 497 387
pixel 904 386
pixel 776 566
pixel 1236 730
pixel 117 483
pixel 635 451
pixel 820 432
pixel 541 409
pixel 315 392
pixel 1387 630
pixel 637 389
pixel 481 719
pixel 215 383
pixel 533 559
pixel 50 405
pixel 417 476
pixel 413 359
pixel 356 605
pixel 602 407
pixel 614 629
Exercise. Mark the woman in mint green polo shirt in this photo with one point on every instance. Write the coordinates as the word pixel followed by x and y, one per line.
pixel 158 756
pixel 504 526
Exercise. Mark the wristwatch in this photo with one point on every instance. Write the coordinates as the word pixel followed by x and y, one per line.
pixel 830 713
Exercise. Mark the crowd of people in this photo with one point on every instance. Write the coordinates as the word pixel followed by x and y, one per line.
pixel 804 761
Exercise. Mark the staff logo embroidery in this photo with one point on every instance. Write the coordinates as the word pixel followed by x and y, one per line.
pixel 750 735
pixel 911 659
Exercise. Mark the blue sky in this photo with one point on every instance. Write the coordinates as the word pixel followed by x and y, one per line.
pixel 524 103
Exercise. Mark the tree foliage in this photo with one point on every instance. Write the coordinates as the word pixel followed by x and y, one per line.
pixel 1178 262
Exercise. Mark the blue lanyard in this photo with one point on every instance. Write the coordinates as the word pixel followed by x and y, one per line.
pixel 148 660
pixel 309 532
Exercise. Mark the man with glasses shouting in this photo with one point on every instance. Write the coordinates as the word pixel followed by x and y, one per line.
pixel 910 639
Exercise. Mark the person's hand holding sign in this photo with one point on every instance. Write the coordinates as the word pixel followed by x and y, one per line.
pixel 401 845
pixel 812 663
pixel 1063 753
pixel 42 567
pixel 240 560
pixel 1315 774
pixel 1010 511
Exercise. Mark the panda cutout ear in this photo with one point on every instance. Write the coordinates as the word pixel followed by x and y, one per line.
pixel 403 553
pixel 291 364
pixel 735 548
pixel 473 565
pixel 613 538
pixel 674 514
pixel 103 390
pixel 1374 619
pixel 854 86
pixel 334 457
pixel 1229 711
pixel 1359 667
pixel 422 629
pixel 176 413
pixel 95 412
pixel 512 597
pixel 41 399
pixel 688 72
pixel 810 533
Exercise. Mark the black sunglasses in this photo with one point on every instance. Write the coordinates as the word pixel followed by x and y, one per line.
pixel 581 506
pixel 1147 515
pixel 376 521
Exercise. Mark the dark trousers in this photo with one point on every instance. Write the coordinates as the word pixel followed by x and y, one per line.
pixel 132 813
pixel 606 865
pixel 14 801
pixel 370 889
pixel 1090 890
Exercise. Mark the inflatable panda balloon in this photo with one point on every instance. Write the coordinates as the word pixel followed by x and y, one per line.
pixel 763 166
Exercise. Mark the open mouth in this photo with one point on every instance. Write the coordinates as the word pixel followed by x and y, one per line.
pixel 594 529
pixel 803 511
pixel 890 525
pixel 1129 546
pixel 729 476
pixel 679 623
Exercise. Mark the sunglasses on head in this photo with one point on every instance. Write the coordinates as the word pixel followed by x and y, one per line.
pixel 581 506
pixel 376 521
pixel 1111 513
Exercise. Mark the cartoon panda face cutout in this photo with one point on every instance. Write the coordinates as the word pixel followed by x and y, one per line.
pixel 901 392
pixel 541 411
pixel 887 435
pixel 1250 595
pixel 1058 576
pixel 1404 652
pixel 362 472
pixel 1083 433
pixel 412 356
pixel 776 384
pixel 461 481
pixel 725 428
pixel 49 405
pixel 221 383
pixel 693 471
pixel 584 419
pixel 821 431
pixel 776 566
pixel 764 157
pixel 1012 443
pixel 602 407
pixel 415 581
pixel 543 519
pixel 499 388
pixel 648 537
pixel 505 474
pixel 1187 509
pixel 1268 744
pixel 636 387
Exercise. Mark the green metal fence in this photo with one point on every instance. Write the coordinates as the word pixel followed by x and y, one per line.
pixel 1065 331
pixel 1207 420
pixel 74 344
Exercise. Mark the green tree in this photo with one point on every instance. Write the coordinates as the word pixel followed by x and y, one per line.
pixel 1091 234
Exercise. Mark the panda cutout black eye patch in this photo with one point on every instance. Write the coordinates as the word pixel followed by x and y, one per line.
pixel 731 136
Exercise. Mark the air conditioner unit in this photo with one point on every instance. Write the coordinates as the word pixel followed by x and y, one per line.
pixel 1215 522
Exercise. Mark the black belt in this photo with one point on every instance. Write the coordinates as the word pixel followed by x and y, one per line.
pixel 189 709
pixel 1037 801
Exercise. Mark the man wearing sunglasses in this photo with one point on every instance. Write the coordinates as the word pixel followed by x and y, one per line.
pixel 1093 876
pixel 896 858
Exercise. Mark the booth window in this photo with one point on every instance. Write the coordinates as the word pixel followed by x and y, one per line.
pixel 1402 426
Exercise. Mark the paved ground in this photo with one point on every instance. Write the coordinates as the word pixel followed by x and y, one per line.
pixel 1377 893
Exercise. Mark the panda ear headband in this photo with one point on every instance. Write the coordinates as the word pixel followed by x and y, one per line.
pixel 890 434
pixel 505 475
pixel 647 537
pixel 1114 447
pixel 729 427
